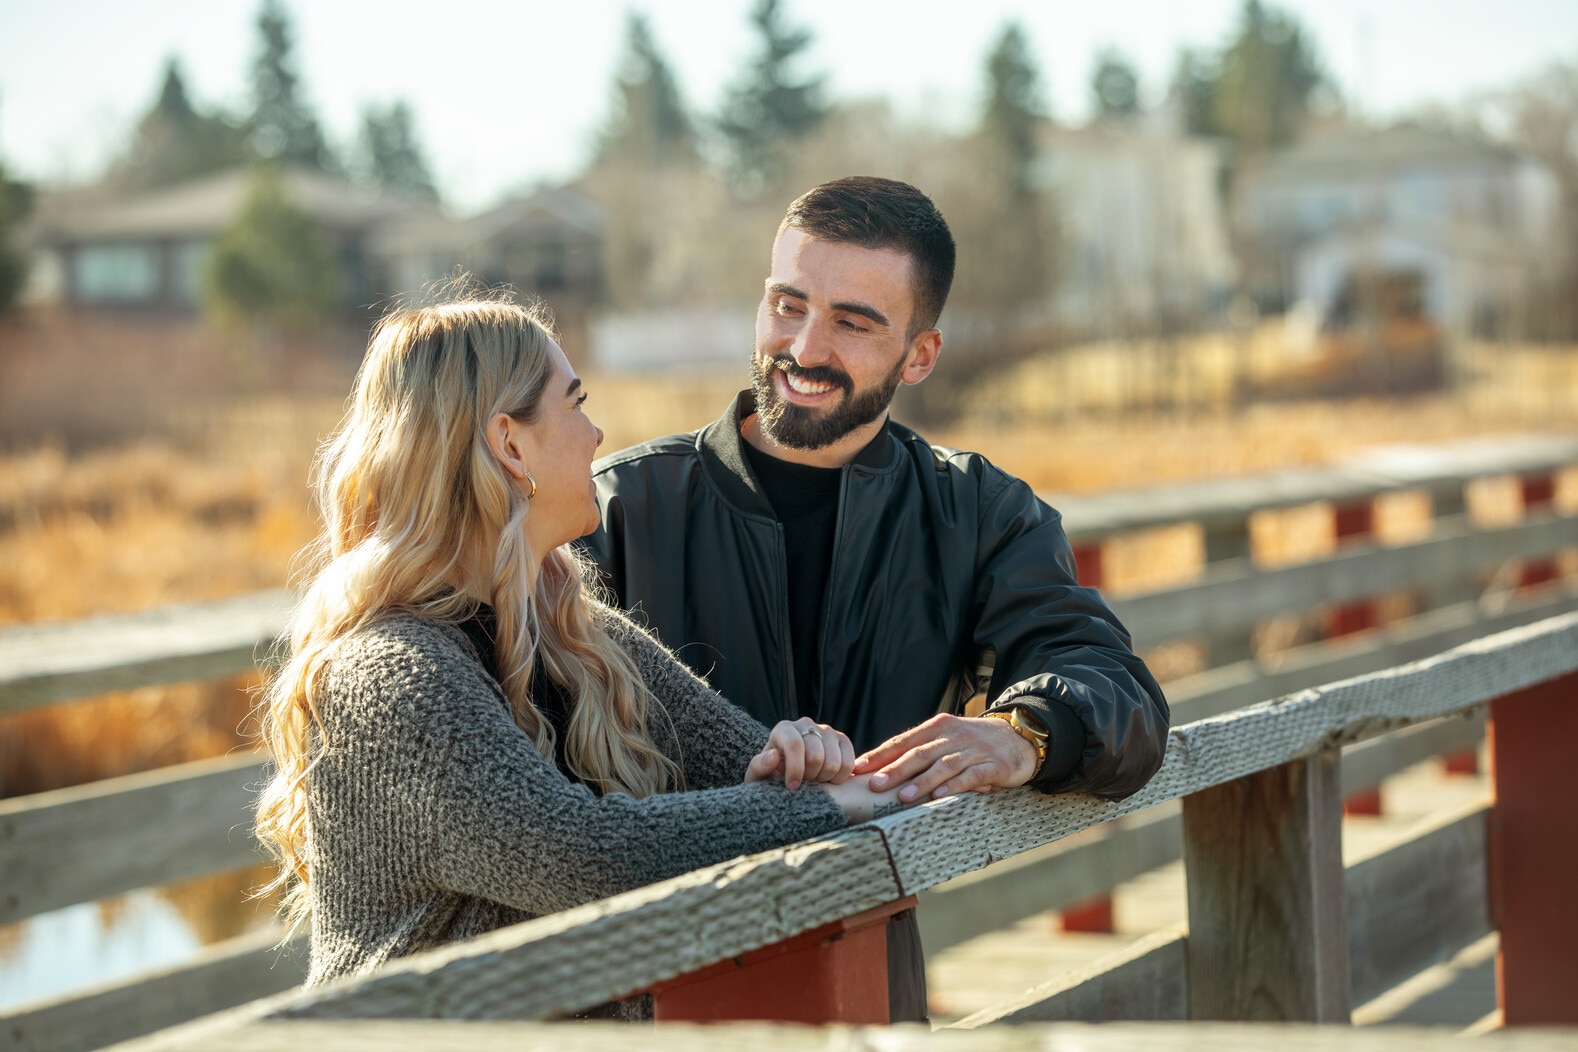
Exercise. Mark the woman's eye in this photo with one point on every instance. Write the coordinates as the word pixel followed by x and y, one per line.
pixel 582 399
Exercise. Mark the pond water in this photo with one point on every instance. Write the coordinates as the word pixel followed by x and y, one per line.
pixel 82 946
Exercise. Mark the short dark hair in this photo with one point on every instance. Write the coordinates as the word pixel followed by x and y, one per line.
pixel 884 213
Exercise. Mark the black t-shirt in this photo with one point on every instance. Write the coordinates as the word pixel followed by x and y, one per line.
pixel 805 500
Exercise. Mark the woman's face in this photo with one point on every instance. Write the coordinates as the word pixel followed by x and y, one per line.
pixel 558 448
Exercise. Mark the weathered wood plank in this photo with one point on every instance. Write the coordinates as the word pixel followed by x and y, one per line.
pixel 1049 878
pixel 1234 596
pixel 1267 912
pixel 1220 690
pixel 84 843
pixel 1146 981
pixel 222 976
pixel 1418 903
pixel 49 662
pixel 378 1036
pixel 1442 470
pixel 46 663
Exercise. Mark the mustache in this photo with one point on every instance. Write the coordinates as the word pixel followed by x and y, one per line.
pixel 816 374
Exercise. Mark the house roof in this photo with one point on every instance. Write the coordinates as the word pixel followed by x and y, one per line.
pixel 204 207
pixel 1366 151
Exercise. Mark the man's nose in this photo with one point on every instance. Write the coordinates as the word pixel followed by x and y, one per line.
pixel 811 345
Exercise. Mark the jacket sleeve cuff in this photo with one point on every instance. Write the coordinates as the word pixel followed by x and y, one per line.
pixel 1065 735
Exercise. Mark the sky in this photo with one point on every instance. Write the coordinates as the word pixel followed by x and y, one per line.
pixel 510 94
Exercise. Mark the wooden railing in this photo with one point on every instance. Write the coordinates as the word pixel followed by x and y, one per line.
pixel 84 843
pixel 1269 937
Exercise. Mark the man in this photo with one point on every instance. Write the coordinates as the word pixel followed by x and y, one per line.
pixel 812 558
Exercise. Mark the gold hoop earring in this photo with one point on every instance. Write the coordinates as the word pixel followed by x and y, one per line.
pixel 533 482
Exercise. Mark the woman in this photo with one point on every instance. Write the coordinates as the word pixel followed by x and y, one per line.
pixel 464 736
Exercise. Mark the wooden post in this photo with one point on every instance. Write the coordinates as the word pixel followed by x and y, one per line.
pixel 1092 915
pixel 837 973
pixel 1268 931
pixel 1534 852
pixel 1448 502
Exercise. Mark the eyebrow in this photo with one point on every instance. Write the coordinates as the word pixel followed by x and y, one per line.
pixel 865 310
pixel 574 384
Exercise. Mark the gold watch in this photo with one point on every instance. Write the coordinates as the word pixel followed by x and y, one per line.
pixel 1028 726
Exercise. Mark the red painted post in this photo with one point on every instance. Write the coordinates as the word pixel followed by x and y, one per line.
pixel 837 973
pixel 1539 492
pixel 1355 524
pixel 1092 915
pixel 1087 557
pixel 1533 852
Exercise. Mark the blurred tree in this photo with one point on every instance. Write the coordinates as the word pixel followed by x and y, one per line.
pixel 1115 87
pixel 272 268
pixel 1544 121
pixel 390 156
pixel 16 200
pixel 649 177
pixel 767 107
pixel 175 142
pixel 1265 82
pixel 650 124
pixel 1194 91
pixel 1013 107
pixel 282 127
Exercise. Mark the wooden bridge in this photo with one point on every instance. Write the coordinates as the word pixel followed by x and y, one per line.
pixel 1250 796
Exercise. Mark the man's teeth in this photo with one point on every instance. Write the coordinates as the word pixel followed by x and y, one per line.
pixel 800 385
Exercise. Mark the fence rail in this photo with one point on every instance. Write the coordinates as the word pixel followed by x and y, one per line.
pixel 1289 945
pixel 84 843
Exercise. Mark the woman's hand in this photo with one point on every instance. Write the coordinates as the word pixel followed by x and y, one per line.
pixel 861 804
pixel 803 751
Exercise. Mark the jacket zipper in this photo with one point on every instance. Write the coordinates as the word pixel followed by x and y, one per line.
pixel 788 707
pixel 827 592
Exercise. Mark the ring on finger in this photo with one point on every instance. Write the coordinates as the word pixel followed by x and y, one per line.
pixel 806 732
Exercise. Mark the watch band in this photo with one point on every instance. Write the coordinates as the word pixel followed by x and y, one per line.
pixel 1025 724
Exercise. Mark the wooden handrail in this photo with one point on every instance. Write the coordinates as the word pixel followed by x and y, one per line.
pixel 570 961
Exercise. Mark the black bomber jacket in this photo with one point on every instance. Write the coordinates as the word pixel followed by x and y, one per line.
pixel 949 577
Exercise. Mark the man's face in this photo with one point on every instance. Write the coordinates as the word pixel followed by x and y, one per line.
pixel 830 340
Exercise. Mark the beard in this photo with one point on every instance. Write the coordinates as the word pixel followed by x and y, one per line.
pixel 798 427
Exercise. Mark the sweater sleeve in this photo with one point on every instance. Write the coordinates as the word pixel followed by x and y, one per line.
pixel 711 739
pixel 422 754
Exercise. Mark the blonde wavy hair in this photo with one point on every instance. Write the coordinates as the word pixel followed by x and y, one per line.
pixel 420 517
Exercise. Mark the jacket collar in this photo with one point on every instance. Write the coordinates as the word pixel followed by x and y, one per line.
pixel 723 454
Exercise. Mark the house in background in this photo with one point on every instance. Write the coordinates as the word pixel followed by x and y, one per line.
pixel 1143 240
pixel 146 253
pixel 1450 227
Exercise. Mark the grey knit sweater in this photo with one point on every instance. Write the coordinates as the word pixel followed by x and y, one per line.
pixel 432 817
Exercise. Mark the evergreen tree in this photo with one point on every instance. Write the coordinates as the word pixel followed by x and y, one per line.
pixel 391 157
pixel 650 124
pixel 768 107
pixel 174 141
pixel 272 268
pixel 1013 107
pixel 16 200
pixel 1115 87
pixel 1260 93
pixel 1194 92
pixel 283 127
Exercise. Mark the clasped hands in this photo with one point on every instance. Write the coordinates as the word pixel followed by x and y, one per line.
pixel 945 755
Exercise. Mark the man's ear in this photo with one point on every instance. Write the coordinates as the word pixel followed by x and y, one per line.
pixel 506 438
pixel 924 350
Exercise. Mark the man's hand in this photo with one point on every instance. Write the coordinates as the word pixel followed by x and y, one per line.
pixel 950 754
pixel 803 750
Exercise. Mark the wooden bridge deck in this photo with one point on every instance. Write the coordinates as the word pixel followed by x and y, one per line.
pixel 1459 993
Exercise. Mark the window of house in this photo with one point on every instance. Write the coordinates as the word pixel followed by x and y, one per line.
pixel 116 274
pixel 186 272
